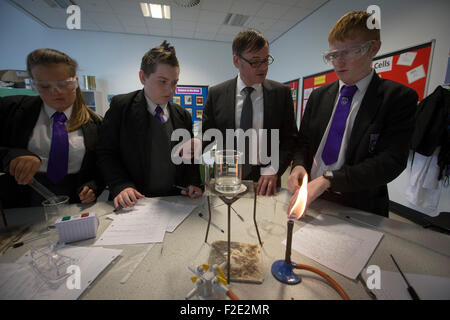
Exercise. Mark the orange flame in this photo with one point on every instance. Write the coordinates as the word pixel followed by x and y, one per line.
pixel 300 203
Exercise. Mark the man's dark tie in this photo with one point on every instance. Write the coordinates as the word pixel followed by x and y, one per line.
pixel 330 153
pixel 159 113
pixel 247 110
pixel 247 123
pixel 58 160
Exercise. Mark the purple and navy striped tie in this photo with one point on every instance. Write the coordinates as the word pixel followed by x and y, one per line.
pixel 330 153
pixel 58 159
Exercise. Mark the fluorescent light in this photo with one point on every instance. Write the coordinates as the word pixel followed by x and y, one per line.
pixel 166 10
pixel 145 9
pixel 156 11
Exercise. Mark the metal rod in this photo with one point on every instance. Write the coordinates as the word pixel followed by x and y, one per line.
pixel 229 244
pixel 290 226
pixel 254 220
pixel 209 220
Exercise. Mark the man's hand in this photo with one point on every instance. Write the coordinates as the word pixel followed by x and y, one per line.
pixel 127 198
pixel 295 177
pixel 190 149
pixel 193 192
pixel 24 168
pixel 315 189
pixel 267 185
pixel 87 195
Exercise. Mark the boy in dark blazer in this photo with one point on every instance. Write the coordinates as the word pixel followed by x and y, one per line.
pixel 134 149
pixel 267 105
pixel 355 132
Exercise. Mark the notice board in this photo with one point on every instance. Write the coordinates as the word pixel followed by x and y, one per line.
pixel 192 98
pixel 293 84
pixel 410 66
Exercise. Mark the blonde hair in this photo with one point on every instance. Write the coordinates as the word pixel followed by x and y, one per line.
pixel 80 112
pixel 351 25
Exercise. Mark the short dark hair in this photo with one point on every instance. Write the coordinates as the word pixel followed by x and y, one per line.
pixel 164 53
pixel 248 39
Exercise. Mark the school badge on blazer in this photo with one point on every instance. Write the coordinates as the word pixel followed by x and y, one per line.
pixel 373 141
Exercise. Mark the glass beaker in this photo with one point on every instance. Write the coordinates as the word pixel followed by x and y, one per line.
pixel 54 208
pixel 228 170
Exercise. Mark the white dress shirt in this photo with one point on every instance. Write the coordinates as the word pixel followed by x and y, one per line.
pixel 41 140
pixel 151 107
pixel 319 166
pixel 257 97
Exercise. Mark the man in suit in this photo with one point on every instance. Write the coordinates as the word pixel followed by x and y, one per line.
pixel 250 101
pixel 355 132
pixel 134 148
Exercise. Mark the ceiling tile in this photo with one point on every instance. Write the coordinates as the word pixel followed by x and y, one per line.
pixel 211 17
pixel 216 5
pixel 296 14
pixel 282 25
pixel 207 28
pixel 224 37
pixel 104 18
pixel 229 30
pixel 132 21
pixel 184 25
pixel 186 14
pixel 311 4
pixel 284 2
pixel 158 23
pixel 94 5
pixel 129 7
pixel 160 32
pixel 248 7
pixel 111 28
pixel 261 24
pixel 273 11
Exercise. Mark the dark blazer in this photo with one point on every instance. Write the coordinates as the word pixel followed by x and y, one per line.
pixel 123 148
pixel 219 113
pixel 379 143
pixel 18 116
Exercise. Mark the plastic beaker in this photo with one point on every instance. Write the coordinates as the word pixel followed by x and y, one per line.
pixel 54 208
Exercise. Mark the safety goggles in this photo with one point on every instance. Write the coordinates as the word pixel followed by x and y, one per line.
pixel 347 54
pixel 44 86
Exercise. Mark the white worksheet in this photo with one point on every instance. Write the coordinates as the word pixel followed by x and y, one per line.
pixel 336 244
pixel 21 281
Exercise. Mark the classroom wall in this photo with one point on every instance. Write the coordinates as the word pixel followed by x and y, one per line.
pixel 113 58
pixel 404 23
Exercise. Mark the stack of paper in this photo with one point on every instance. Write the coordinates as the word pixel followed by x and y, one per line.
pixel 146 222
pixel 336 244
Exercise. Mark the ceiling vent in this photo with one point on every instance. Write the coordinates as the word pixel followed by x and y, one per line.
pixel 234 19
pixel 186 3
